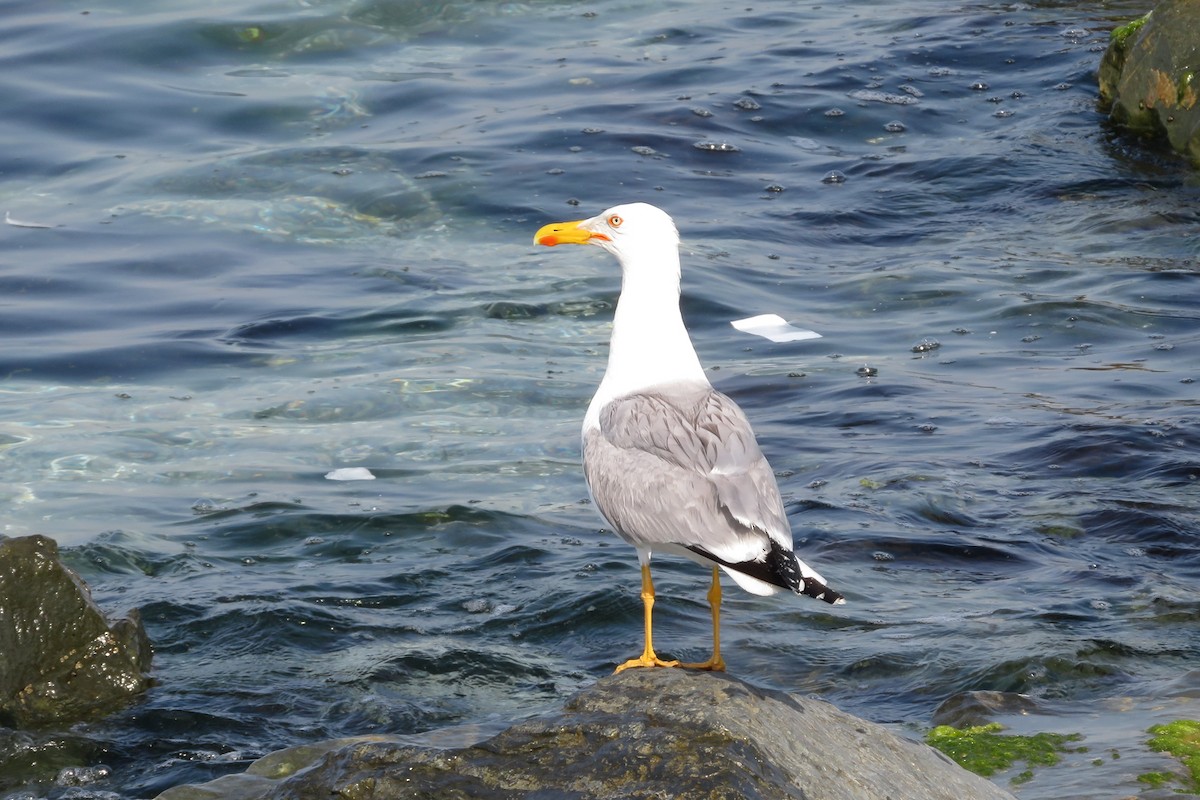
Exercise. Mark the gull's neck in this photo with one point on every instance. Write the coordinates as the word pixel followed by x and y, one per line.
pixel 650 346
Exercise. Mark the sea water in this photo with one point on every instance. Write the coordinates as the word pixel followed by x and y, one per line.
pixel 250 244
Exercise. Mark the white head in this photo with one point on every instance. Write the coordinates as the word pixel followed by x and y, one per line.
pixel 642 237
pixel 650 345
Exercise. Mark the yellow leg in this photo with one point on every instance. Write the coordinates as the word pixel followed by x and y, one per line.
pixel 647 659
pixel 716 663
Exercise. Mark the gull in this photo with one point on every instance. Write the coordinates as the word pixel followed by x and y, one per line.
pixel 671 463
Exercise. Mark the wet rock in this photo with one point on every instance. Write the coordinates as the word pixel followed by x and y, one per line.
pixel 1148 75
pixel 640 734
pixel 968 709
pixel 62 660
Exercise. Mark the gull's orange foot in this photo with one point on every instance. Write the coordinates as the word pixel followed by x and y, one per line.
pixel 714 664
pixel 646 660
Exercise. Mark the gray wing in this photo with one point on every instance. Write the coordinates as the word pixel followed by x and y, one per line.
pixel 682 467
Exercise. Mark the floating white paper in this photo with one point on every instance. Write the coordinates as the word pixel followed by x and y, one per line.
pixel 21 224
pixel 350 474
pixel 773 327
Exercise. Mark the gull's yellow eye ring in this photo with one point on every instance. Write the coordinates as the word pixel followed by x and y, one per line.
pixel 615 221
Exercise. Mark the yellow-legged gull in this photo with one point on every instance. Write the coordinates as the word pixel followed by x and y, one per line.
pixel 671 463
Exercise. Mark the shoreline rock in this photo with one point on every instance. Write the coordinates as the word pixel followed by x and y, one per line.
pixel 1147 77
pixel 62 659
pixel 642 733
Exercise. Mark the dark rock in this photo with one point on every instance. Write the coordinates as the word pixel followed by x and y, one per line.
pixel 1148 75
pixel 62 660
pixel 968 709
pixel 641 734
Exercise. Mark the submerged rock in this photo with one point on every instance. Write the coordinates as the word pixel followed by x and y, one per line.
pixel 60 659
pixel 1148 75
pixel 968 709
pixel 642 733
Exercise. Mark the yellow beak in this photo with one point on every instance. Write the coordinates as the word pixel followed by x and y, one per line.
pixel 565 233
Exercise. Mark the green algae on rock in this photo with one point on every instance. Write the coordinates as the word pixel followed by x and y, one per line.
pixel 982 749
pixel 1181 739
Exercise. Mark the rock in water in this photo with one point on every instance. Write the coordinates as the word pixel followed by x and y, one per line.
pixel 641 733
pixel 60 659
pixel 1148 75
pixel 979 707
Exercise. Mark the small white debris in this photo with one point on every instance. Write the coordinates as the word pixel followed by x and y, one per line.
pixel 773 327
pixel 350 474
pixel 8 218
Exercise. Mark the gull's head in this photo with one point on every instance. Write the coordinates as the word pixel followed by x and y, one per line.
pixel 627 231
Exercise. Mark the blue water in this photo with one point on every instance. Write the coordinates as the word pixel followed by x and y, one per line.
pixel 293 237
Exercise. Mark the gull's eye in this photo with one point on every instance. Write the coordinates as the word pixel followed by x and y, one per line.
pixel 615 221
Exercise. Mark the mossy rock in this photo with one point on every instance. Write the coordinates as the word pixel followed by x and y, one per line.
pixel 1114 58
pixel 1148 75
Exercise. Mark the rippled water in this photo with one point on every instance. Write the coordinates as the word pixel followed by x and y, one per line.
pixel 294 237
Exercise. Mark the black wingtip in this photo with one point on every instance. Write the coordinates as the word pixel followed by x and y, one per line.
pixel 780 568
pixel 783 563
pixel 820 591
